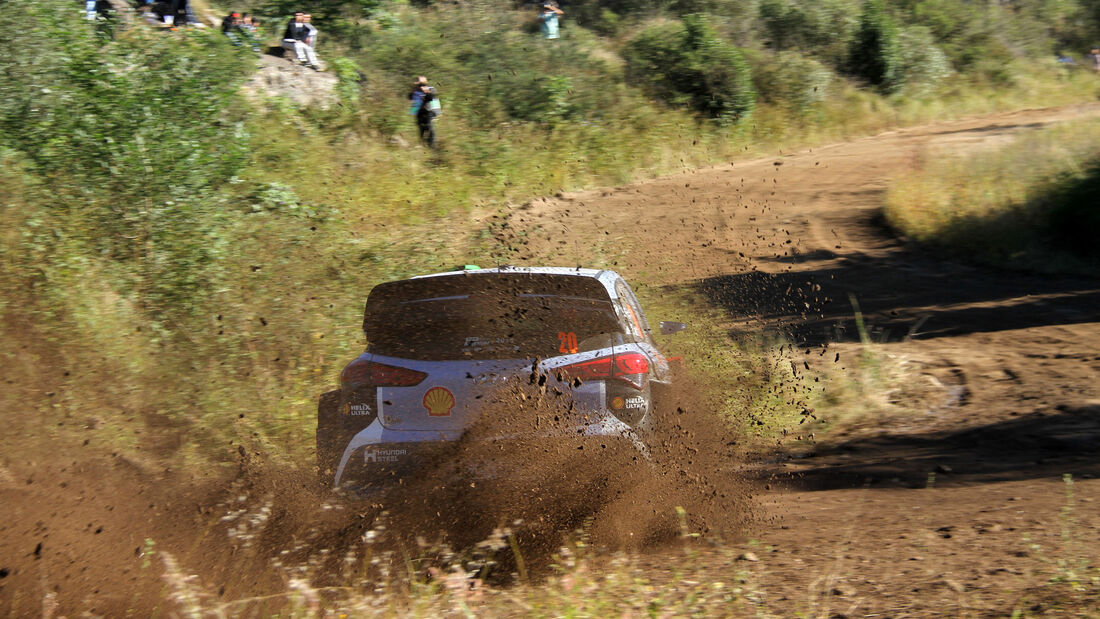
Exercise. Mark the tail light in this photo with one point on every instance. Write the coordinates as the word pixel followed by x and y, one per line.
pixel 631 368
pixel 368 373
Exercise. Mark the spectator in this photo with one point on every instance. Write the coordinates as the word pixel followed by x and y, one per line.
pixel 426 114
pixel 159 12
pixel 250 31
pixel 416 96
pixel 548 20
pixel 295 37
pixel 311 39
pixel 1092 59
pixel 230 23
pixel 240 29
pixel 98 9
pixel 178 14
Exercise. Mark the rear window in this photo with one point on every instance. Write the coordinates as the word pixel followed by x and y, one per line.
pixel 490 316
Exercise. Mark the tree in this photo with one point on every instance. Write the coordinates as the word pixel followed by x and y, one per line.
pixel 875 54
pixel 687 63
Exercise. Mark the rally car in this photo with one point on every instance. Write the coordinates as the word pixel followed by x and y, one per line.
pixel 439 346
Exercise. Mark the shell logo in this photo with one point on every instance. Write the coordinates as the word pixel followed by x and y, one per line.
pixel 617 403
pixel 439 402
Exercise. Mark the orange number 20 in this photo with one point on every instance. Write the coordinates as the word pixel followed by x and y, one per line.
pixel 568 342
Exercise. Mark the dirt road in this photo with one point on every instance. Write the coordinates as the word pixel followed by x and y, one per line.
pixel 949 500
pixel 956 502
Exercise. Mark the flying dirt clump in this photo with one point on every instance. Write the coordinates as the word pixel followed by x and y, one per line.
pixel 525 468
pixel 512 490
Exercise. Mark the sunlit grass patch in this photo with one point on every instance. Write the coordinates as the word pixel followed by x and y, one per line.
pixel 869 382
pixel 747 380
pixel 1025 204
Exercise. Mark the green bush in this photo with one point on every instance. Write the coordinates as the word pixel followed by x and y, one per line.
pixel 922 65
pixel 542 99
pixel 823 29
pixel 594 13
pixel 791 80
pixel 875 55
pixel 128 140
pixel 350 81
pixel 494 73
pixel 686 63
pixel 970 34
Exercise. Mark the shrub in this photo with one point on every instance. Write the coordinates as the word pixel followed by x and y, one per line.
pixel 1030 203
pixel 686 63
pixel 127 139
pixel 969 34
pixel 875 55
pixel 608 23
pixel 541 99
pixel 593 13
pixel 493 74
pixel 350 80
pixel 823 29
pixel 922 65
pixel 792 80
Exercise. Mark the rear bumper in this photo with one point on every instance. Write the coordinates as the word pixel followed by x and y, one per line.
pixel 377 456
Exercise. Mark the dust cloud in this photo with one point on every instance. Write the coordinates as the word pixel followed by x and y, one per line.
pixel 496 507
pixel 515 488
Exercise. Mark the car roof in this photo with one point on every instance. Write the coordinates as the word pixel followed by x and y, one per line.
pixel 604 276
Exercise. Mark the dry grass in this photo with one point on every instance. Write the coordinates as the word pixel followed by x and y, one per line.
pixel 688 577
pixel 995 205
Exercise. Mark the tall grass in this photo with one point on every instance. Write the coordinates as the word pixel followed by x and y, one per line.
pixel 1027 204
pixel 260 263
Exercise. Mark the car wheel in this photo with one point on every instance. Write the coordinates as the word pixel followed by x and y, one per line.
pixel 659 401
pixel 328 451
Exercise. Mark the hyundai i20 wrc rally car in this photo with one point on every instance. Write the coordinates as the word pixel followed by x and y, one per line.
pixel 439 344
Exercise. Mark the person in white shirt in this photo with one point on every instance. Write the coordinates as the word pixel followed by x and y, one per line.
pixel 311 38
pixel 296 39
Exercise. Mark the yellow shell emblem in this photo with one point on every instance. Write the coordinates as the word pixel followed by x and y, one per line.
pixel 439 402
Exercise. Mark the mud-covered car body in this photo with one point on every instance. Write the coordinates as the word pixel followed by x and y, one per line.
pixel 440 346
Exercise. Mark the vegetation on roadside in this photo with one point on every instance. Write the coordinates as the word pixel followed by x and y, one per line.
pixel 183 268
pixel 1028 204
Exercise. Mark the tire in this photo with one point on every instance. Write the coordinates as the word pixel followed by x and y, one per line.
pixel 660 398
pixel 328 451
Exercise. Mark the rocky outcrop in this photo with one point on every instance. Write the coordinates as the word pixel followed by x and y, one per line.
pixel 302 86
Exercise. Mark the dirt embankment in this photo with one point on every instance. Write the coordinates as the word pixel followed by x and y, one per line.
pixel 956 504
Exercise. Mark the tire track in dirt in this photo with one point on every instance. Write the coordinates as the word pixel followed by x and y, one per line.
pixel 1009 361
pixel 935 508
